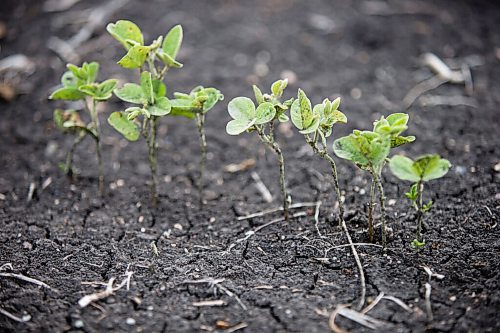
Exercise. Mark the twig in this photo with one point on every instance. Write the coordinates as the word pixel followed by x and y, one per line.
pixel 216 283
pixel 350 244
pixel 316 218
pixel 250 233
pixel 355 316
pixel 398 302
pixel 433 100
pixel 236 327
pixel 274 210
pixel 261 187
pixel 428 290
pixel 218 302
pixel 27 279
pixel 7 314
pixel 373 304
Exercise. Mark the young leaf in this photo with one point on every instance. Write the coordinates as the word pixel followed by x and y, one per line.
pixel 129 129
pixel 106 88
pixel 402 167
pixel 265 113
pixel 147 86
pixel 431 167
pixel 213 96
pixel 135 57
pixel 278 87
pixel 161 107
pixel 301 111
pixel 159 88
pixel 168 60
pixel 417 244
pixel 241 108
pixel 131 93
pixel 363 148
pixel 69 80
pixel 69 94
pixel 413 193
pixel 125 31
pixel 133 112
pixel 401 140
pixel 172 42
pixel 259 98
pixel 238 126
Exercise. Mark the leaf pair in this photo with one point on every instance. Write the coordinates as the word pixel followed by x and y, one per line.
pixel 393 126
pixel 277 89
pixel 129 34
pixel 79 82
pixel 364 148
pixel 320 118
pixel 245 115
pixel 199 100
pixel 424 168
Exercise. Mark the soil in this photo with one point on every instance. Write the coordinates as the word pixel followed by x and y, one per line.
pixel 67 236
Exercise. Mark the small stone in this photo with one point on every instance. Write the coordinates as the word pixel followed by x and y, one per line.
pixel 391 202
pixel 78 323
pixel 497 167
pixel 178 226
pixel 130 321
pixel 453 298
pixel 120 183
pixel 27 246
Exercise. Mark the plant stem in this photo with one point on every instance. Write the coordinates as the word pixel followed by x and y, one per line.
pixel 370 211
pixel 420 213
pixel 323 153
pixel 153 159
pixel 95 121
pixel 271 143
pixel 378 183
pixel 68 166
pixel 200 123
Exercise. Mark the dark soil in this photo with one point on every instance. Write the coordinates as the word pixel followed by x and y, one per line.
pixel 67 235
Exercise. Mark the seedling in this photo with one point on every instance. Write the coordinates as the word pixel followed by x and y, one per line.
pixel 195 105
pixel 149 96
pixel 261 119
pixel 423 169
pixel 78 83
pixel 369 151
pixel 316 124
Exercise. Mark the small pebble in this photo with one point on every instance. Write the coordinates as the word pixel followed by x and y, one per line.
pixel 78 323
pixel 130 321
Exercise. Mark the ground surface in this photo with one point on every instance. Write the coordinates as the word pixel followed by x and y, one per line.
pixel 67 235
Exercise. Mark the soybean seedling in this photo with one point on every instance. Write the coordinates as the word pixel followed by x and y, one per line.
pixel 316 124
pixel 195 105
pixel 423 169
pixel 369 151
pixel 78 83
pixel 261 119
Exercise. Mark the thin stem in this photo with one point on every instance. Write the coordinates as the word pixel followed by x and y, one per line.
pixel 68 166
pixel 271 143
pixel 420 212
pixel 200 123
pixel 323 153
pixel 153 158
pixel 370 211
pixel 378 183
pixel 95 121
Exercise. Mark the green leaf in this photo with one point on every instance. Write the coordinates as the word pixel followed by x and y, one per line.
pixel 69 80
pixel 68 94
pixel 401 140
pixel 159 88
pixel 313 127
pixel 128 128
pixel 301 111
pixel 168 60
pixel 125 31
pixel 278 87
pixel 335 104
pixel 259 98
pixel 106 88
pixel 363 148
pixel 213 96
pixel 131 93
pixel 161 107
pixel 172 42
pixel 241 108
pixel 402 167
pixel 90 71
pixel 265 113
pixel 426 207
pixel 135 57
pixel 413 193
pixel 133 112
pixel 431 167
pixel 394 124
pixel 238 126
pixel 283 118
pixel 147 86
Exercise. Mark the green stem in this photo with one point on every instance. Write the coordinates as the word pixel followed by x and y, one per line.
pixel 153 158
pixel 371 205
pixel 378 183
pixel 68 166
pixel 95 121
pixel 420 212
pixel 200 123
pixel 271 143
